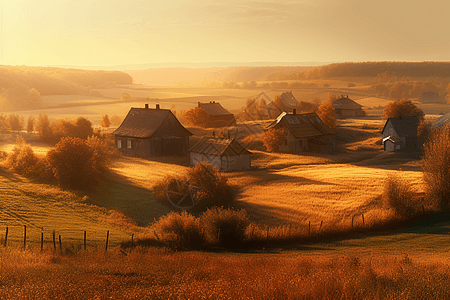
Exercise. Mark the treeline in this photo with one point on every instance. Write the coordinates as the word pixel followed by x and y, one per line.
pixel 372 69
pixel 22 87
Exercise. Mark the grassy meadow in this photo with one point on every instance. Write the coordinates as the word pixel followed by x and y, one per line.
pixel 281 191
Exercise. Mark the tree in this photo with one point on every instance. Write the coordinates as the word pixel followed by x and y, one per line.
pixel 327 114
pixel 43 128
pixel 15 122
pixel 196 116
pixel 105 121
pixel 74 164
pixel 273 139
pixel 403 108
pixel 83 128
pixel 436 168
pixel 30 124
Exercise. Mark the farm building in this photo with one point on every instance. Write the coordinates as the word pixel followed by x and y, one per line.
pixel 285 103
pixel 226 154
pixel 217 115
pixel 256 109
pixel 346 108
pixel 147 132
pixel 400 134
pixel 304 132
pixel 442 121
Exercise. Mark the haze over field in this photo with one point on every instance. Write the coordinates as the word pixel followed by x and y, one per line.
pixel 135 32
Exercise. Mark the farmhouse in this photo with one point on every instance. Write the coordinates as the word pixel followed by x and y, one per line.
pixel 346 108
pixel 147 132
pixel 400 134
pixel 217 115
pixel 285 103
pixel 304 132
pixel 226 154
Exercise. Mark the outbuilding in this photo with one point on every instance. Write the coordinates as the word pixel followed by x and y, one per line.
pixel 401 134
pixel 347 108
pixel 217 115
pixel 147 132
pixel 226 154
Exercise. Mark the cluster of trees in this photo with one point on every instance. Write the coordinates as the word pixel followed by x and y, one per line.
pixel 265 85
pixel 74 163
pixel 411 89
pixel 21 86
pixel 196 116
pixel 53 132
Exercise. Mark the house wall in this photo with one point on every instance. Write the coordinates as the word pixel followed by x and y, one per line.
pixel 389 130
pixel 295 145
pixel 133 146
pixel 389 146
pixel 158 146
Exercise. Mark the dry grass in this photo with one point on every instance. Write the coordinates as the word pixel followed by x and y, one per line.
pixel 160 274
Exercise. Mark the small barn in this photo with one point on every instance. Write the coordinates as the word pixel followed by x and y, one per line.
pixel 285 103
pixel 347 108
pixel 305 132
pixel 226 154
pixel 147 132
pixel 400 134
pixel 217 115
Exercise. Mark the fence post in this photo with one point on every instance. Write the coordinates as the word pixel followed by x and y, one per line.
pixel 267 234
pixel 352 221
pixel 309 227
pixel 132 238
pixel 363 219
pixel 84 240
pixel 60 243
pixel 54 240
pixel 24 237
pixel 42 241
pixel 320 228
pixel 6 235
pixel 107 239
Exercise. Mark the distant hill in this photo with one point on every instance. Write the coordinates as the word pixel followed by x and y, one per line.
pixel 205 76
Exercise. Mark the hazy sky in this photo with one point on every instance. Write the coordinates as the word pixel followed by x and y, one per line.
pixel 116 32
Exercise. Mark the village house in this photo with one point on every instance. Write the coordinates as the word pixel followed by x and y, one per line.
pixel 305 132
pixel 226 154
pixel 217 115
pixel 346 108
pixel 285 103
pixel 147 132
pixel 400 134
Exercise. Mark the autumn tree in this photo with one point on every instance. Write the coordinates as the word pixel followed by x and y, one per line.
pixel 403 108
pixel 15 122
pixel 196 116
pixel 30 123
pixel 273 139
pixel 105 121
pixel 327 114
pixel 43 128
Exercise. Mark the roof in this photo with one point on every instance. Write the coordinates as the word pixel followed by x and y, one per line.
pixel 214 108
pixel 144 122
pixel 442 121
pixel 346 103
pixel 219 146
pixel 302 125
pixel 404 126
pixel 288 99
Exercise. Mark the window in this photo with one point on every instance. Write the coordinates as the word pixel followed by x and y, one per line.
pixel 119 144
pixel 129 144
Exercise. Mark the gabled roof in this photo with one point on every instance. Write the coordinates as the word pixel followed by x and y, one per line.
pixel 219 146
pixel 404 126
pixel 302 125
pixel 144 122
pixel 345 103
pixel 214 108
pixel 288 99
pixel 442 121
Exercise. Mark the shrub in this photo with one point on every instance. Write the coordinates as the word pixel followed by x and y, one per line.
pixel 225 227
pixel 436 168
pixel 181 230
pixel 403 108
pixel 196 116
pixel 273 139
pixel 22 159
pixel 105 121
pixel 397 194
pixel 74 164
pixel 327 114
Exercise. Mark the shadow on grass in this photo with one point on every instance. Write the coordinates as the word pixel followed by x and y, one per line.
pixel 118 193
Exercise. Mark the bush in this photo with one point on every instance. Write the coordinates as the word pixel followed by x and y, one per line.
pixel 196 116
pixel 327 114
pixel 398 195
pixel 74 164
pixel 225 227
pixel 273 139
pixel 22 160
pixel 181 230
pixel 436 168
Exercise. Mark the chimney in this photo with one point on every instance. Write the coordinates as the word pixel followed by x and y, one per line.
pixel 157 106
pixel 294 111
pixel 146 106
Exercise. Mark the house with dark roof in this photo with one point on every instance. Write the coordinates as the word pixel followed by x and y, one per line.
pixel 286 102
pixel 305 132
pixel 346 108
pixel 226 154
pixel 400 134
pixel 147 132
pixel 217 115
